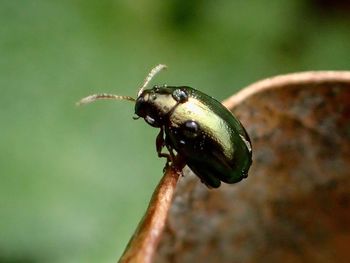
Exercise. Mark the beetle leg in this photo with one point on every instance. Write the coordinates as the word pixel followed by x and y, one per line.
pixel 170 149
pixel 160 145
pixel 177 163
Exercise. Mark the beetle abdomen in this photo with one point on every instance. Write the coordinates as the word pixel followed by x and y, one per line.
pixel 206 158
pixel 213 142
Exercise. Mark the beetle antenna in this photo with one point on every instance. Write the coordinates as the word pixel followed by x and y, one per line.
pixel 150 76
pixel 103 96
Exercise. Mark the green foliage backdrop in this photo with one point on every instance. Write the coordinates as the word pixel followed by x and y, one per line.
pixel 74 182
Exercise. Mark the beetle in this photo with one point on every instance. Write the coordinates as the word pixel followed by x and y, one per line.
pixel 210 139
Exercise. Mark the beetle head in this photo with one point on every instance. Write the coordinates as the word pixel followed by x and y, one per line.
pixel 155 105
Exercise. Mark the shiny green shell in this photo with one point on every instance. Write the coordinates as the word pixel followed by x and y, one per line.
pixel 213 142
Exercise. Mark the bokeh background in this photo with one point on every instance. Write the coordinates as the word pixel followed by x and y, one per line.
pixel 74 182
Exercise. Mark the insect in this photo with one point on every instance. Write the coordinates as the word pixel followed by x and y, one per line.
pixel 212 142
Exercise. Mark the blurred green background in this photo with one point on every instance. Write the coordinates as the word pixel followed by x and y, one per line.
pixel 74 182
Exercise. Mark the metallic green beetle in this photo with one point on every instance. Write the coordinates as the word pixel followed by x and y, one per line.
pixel 213 143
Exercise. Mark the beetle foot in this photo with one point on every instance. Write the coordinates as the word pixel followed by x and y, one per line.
pixel 173 166
pixel 177 169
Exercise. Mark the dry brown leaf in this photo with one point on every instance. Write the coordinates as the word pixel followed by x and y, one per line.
pixel 295 204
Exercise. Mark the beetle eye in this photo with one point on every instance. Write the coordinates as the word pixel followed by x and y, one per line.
pixel 191 129
pixel 180 95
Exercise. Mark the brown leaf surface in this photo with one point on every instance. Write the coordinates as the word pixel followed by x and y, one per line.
pixel 295 204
